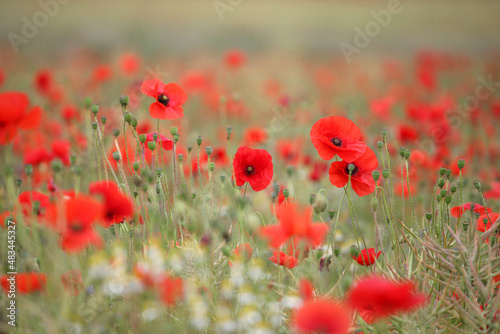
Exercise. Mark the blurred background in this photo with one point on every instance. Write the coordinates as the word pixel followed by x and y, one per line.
pixel 186 26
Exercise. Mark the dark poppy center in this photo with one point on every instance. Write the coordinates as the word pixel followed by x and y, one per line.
pixel 163 99
pixel 354 169
pixel 249 170
pixel 76 227
pixel 337 141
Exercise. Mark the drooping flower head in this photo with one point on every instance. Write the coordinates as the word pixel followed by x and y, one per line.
pixel 361 173
pixel 337 135
pixel 376 298
pixel 254 166
pixel 169 99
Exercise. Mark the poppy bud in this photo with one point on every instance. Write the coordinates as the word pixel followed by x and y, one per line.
pixel 116 132
pixel 385 173
pixel 208 150
pixel 94 108
pixel 289 171
pixel 443 192
pixel 485 222
pixel 229 130
pixel 286 192
pixel 461 163
pixel 136 165
pixel 477 185
pixel 374 203
pixel 466 225
pixel 72 159
pixel 28 169
pixel 180 156
pixel 128 117
pixel 384 133
pixel 402 152
pixel 158 172
pixel 211 166
pixel 226 251
pixel 448 173
pixel 331 214
pixel 158 189
pixel 439 198
pixel 453 188
pixel 116 156
pixel 320 204
pixel 354 251
pixel 312 199
pixel 190 148
pixel 152 145
pixel 199 140
pixel 142 138
pixel 103 120
pixel 223 177
pixel 56 165
pixel 407 154
pixel 176 138
pixel 134 122
pixel 173 130
pixel 376 175
pixel 428 216
pixel 441 183
pixel 442 170
pixel 380 144
pixel 19 182
pixel 87 102
pixel 94 125
pixel 447 199
pixel 144 187
pixel 137 181
pixel 155 136
pixel 124 100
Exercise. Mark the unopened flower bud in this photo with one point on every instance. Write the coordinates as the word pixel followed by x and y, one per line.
pixel 28 169
pixel 116 156
pixel 136 165
pixel 151 145
pixel 380 144
pixel 173 130
pixel 94 108
pixel 116 132
pixel 286 192
pixel 142 138
pixel 461 163
pixel 477 185
pixel 312 199
pixel 124 100
pixel 428 216
pixel 176 138
pixel 354 251
pixel 103 120
pixel 321 204
pixel 453 188
pixel 374 203
pixel 134 122
pixel 180 156
pixel 443 192
pixel 407 154
pixel 229 130
pixel 211 166
pixel 385 173
pixel 94 125
pixel 331 214
pixel 448 173
pixel 447 199
pixel 56 165
pixel 223 177
pixel 402 152
pixel 442 170
pixel 376 175
pixel 128 117
pixel 441 183
pixel 199 140
pixel 208 150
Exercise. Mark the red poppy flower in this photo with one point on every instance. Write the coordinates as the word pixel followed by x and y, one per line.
pixel 367 257
pixel 28 199
pixel 243 250
pixel 306 290
pixel 361 176
pixel 484 227
pixel 166 143
pixel 129 63
pixel 282 259
pixel 457 211
pixel 254 136
pixel 235 58
pixel 494 192
pixel 376 298
pixel 44 81
pixel 171 290
pixel 5 217
pixel 294 222
pixel 254 166
pixel 322 316
pixel 337 135
pixel 14 115
pixel 102 73
pixel 117 206
pixel 169 99
pixel 75 222
pixel 24 282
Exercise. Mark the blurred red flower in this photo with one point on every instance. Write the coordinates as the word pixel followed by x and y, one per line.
pixel 254 166
pixel 234 58
pixel 283 259
pixel 117 206
pixel 166 143
pixel 14 115
pixel 322 316
pixel 457 211
pixel 376 298
pixel 481 226
pixel 367 257
pixel 254 136
pixel 361 176
pixel 337 135
pixel 171 290
pixel 294 222
pixel 169 99
pixel 24 282
pixel 28 199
